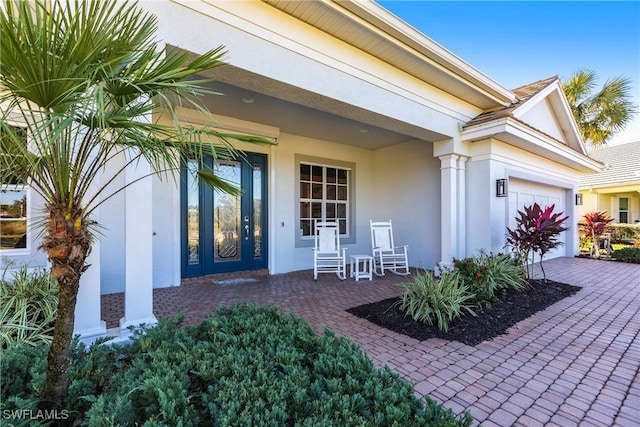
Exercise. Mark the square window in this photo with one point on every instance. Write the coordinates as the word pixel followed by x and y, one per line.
pixel 324 196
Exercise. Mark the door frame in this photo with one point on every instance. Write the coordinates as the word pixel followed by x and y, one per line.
pixel 207 266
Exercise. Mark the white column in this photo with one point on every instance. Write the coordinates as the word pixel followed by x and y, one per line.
pixel 461 247
pixel 138 297
pixel 448 207
pixel 88 323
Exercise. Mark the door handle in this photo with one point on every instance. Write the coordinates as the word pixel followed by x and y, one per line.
pixel 246 232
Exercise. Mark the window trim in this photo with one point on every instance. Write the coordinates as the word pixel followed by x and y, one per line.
pixel 27 219
pixel 28 214
pixel 626 211
pixel 307 241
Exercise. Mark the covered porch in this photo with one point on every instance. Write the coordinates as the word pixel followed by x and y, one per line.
pixel 571 364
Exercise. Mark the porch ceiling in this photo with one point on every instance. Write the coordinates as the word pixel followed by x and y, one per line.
pixel 254 98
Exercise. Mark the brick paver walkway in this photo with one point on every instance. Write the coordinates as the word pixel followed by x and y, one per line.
pixel 575 363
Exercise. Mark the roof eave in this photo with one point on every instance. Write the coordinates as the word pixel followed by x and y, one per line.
pixel 467 82
pixel 629 186
pixel 409 36
pixel 517 134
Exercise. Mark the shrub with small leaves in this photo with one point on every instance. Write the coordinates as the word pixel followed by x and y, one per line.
pixel 487 274
pixel 244 365
pixel 630 254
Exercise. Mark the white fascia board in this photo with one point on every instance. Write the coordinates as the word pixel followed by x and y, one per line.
pixel 384 20
pixel 516 133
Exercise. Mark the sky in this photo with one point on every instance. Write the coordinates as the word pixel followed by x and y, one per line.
pixel 520 42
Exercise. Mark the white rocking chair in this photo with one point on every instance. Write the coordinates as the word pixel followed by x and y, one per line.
pixel 386 256
pixel 327 255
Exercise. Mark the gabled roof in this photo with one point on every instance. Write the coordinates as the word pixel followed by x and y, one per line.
pixel 622 166
pixel 540 121
pixel 523 94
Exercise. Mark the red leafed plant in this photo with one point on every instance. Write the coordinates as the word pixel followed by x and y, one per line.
pixel 594 225
pixel 537 231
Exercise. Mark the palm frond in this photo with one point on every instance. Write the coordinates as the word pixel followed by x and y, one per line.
pixel 601 114
pixel 93 80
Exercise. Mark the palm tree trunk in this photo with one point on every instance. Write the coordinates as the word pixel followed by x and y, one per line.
pixel 67 243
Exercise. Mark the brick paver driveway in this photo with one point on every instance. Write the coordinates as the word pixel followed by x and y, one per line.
pixel 575 363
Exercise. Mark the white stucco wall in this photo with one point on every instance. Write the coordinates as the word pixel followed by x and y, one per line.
pixel 541 117
pixel 487 215
pixel 284 256
pixel 112 241
pixel 407 191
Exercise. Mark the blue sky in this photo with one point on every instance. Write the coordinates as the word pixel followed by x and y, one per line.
pixel 520 42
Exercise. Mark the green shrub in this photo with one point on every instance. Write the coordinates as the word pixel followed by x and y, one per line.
pixel 28 306
pixel 630 254
pixel 487 274
pixel 621 232
pixel 244 365
pixel 428 299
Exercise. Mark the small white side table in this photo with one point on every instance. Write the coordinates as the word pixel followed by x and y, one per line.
pixel 364 261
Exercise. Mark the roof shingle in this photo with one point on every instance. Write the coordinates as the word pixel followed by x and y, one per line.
pixel 623 165
pixel 523 93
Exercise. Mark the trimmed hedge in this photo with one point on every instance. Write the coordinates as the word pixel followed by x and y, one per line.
pixel 631 255
pixel 243 366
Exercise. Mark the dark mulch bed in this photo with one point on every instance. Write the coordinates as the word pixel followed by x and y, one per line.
pixel 489 322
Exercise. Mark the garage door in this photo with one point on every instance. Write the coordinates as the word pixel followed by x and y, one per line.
pixel 526 193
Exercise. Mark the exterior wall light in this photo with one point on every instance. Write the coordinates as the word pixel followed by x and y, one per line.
pixel 578 199
pixel 501 188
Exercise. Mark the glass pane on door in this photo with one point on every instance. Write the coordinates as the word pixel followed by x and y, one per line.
pixel 257 210
pixel 227 215
pixel 193 214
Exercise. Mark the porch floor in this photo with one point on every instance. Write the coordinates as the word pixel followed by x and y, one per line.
pixel 575 363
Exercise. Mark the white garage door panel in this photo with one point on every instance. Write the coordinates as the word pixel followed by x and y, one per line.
pixel 525 193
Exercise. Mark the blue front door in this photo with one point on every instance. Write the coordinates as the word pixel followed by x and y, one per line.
pixel 223 233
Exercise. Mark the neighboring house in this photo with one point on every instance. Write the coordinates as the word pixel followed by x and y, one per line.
pixel 373 120
pixel 616 189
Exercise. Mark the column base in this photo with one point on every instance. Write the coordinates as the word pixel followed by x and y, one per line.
pixel 126 324
pixel 88 336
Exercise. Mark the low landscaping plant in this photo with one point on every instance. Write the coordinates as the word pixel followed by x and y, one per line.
pixel 431 300
pixel 28 305
pixel 244 365
pixel 485 275
pixel 592 227
pixel 624 233
pixel 537 232
pixel 629 254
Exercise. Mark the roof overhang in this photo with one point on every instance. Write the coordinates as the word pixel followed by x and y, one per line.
pixel 371 28
pixel 518 134
pixel 618 187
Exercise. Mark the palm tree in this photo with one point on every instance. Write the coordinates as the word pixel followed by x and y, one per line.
pixel 602 114
pixel 85 77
